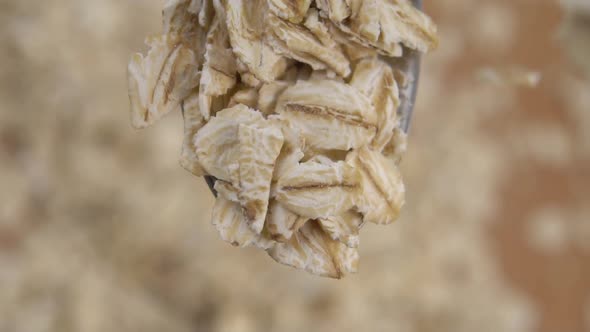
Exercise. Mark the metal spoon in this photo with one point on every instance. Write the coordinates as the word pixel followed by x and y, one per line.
pixel 410 66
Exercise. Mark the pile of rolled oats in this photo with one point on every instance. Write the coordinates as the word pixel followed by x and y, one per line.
pixel 291 105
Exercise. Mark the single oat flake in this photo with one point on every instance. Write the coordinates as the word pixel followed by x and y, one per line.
pixel 292 107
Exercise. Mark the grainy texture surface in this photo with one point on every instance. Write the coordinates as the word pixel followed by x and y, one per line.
pixel 100 230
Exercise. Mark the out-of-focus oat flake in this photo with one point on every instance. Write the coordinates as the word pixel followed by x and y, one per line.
pixel 511 76
pixel 547 230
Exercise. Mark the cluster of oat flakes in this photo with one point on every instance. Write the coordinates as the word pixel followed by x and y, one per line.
pixel 292 107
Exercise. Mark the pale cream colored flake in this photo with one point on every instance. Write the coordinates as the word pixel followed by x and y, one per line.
pixel 318 188
pixel 229 221
pixel 297 42
pixel 317 26
pixel 281 223
pixel 158 81
pixel 259 147
pixel 337 10
pixel 381 184
pixel 390 50
pixel 343 228
pixel 246 24
pixel 402 23
pixel 330 114
pixel 217 147
pixel 386 24
pixel 180 21
pixel 240 147
pixel 193 122
pixel 374 78
pixel 219 73
pixel 366 21
pixel 354 48
pixel 290 10
pixel 313 250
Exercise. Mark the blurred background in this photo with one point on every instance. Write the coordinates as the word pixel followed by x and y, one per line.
pixel 101 229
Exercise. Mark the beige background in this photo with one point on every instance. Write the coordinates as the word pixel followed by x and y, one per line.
pixel 101 230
